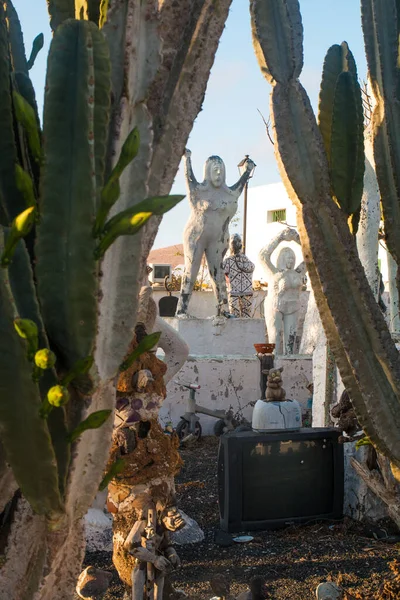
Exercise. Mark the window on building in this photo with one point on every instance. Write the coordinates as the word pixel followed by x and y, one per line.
pixel 275 216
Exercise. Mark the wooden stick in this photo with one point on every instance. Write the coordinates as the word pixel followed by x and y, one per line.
pixel 375 482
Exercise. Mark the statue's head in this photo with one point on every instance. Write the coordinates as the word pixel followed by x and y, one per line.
pixel 286 259
pixel 172 519
pixel 235 243
pixel 214 171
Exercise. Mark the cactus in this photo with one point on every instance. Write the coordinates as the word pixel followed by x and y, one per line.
pixel 356 331
pixel 380 24
pixel 57 387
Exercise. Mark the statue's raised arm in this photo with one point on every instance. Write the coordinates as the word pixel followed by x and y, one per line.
pixel 191 180
pixel 239 185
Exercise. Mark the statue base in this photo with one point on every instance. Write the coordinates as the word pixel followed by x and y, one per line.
pixel 220 336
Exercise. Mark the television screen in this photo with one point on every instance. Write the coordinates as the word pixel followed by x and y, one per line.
pixel 272 479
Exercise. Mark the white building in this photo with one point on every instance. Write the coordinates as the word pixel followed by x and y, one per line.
pixel 269 209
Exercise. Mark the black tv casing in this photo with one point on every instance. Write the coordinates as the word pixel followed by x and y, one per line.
pixel 304 479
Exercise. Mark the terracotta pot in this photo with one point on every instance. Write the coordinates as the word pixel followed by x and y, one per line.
pixel 264 348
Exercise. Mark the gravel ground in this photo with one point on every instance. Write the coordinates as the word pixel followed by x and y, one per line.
pixel 292 561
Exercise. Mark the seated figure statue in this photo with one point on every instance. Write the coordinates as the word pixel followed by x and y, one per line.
pixel 239 270
pixel 213 204
pixel 284 284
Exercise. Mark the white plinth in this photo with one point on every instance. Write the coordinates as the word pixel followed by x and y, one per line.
pixel 270 416
pixel 220 336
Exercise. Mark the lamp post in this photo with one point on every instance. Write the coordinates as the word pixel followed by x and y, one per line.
pixel 242 170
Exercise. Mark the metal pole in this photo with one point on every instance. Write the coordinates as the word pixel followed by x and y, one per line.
pixel 245 218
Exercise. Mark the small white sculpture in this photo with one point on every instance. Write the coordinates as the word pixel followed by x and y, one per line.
pixel 239 272
pixel 284 284
pixel 213 204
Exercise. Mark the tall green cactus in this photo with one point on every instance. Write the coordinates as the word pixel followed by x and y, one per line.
pixel 380 24
pixel 71 284
pixel 356 331
pixel 75 129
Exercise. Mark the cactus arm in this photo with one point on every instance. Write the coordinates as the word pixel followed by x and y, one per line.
pixel 351 319
pixel 16 40
pixel 278 43
pixel 12 200
pixel 333 66
pixel 24 435
pixel 59 11
pixel 66 268
pixel 356 331
pixel 380 29
pixel 23 290
pixel 347 144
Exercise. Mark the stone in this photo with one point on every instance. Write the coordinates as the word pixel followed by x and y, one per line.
pixel 285 282
pixel 93 583
pixel 239 271
pixel 191 532
pixel 98 527
pixel 328 591
pixel 213 204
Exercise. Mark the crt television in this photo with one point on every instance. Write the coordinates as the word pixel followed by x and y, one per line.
pixel 269 480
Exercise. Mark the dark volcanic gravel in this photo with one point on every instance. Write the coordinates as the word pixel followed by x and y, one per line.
pixel 292 561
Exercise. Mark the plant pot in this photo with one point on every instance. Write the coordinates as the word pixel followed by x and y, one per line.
pixel 264 348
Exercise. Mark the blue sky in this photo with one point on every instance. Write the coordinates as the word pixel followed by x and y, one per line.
pixel 229 124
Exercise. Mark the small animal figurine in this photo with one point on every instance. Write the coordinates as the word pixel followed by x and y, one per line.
pixel 275 391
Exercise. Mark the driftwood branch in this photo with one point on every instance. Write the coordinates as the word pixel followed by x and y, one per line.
pixel 376 483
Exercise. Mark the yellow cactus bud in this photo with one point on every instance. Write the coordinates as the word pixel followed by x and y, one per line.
pixel 45 359
pixel 58 395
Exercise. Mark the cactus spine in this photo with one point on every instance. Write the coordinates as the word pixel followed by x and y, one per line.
pixel 356 331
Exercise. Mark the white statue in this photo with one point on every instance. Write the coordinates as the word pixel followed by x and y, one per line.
pixel 213 204
pixel 284 284
pixel 239 271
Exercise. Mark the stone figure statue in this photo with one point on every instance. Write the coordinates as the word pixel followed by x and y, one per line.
pixel 284 284
pixel 238 270
pixel 141 496
pixel 213 204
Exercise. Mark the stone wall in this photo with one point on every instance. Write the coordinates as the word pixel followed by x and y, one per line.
pixel 230 382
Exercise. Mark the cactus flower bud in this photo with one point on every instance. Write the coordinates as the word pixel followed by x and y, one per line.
pixel 20 227
pixel 58 395
pixel 45 359
pixel 28 330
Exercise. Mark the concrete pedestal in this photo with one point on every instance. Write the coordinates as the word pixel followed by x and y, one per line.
pixel 220 336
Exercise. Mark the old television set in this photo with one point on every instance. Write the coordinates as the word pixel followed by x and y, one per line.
pixel 159 272
pixel 269 480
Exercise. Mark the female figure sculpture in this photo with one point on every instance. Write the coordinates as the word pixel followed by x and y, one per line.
pixel 213 204
pixel 284 284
